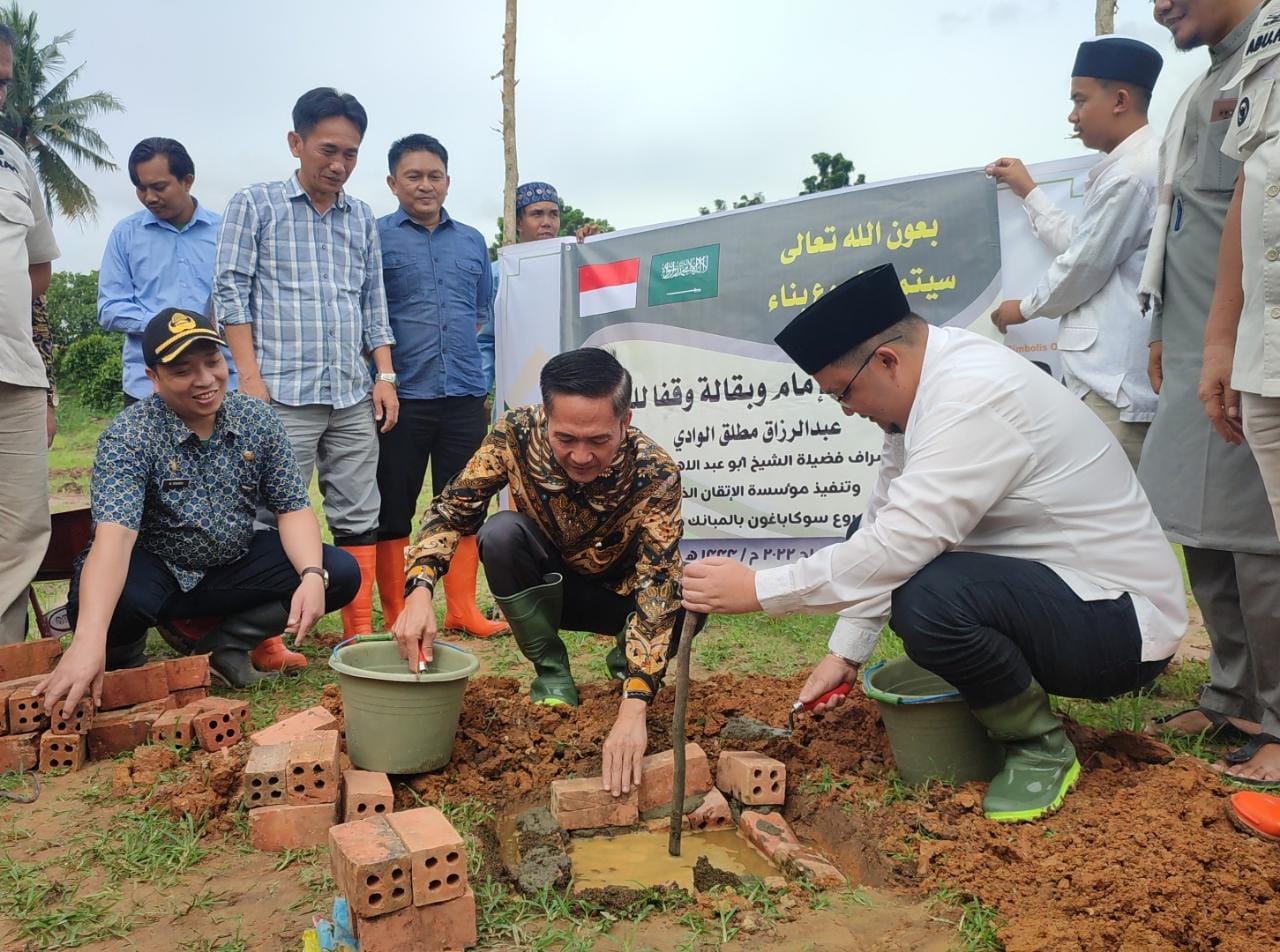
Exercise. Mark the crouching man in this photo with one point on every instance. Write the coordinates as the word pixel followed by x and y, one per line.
pixel 590 546
pixel 176 480
pixel 1006 539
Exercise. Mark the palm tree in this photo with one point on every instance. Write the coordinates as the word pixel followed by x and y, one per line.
pixel 42 117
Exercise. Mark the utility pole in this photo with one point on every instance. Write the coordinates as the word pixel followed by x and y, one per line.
pixel 509 125
pixel 1104 20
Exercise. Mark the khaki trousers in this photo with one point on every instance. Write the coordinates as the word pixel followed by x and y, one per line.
pixel 24 502
pixel 1130 436
pixel 1262 431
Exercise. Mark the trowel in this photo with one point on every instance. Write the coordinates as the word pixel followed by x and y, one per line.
pixel 750 729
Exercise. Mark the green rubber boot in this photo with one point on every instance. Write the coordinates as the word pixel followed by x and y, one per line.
pixel 534 617
pixel 616 659
pixel 1040 764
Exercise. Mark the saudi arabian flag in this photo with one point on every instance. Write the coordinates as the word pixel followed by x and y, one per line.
pixel 608 287
pixel 688 275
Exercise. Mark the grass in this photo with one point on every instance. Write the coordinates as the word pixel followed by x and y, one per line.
pixel 977 924
pixel 52 915
pixel 149 846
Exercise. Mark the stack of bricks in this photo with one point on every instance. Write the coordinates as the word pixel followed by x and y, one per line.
pixel 404 876
pixel 292 781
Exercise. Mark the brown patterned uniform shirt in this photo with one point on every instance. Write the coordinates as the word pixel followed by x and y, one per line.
pixel 622 529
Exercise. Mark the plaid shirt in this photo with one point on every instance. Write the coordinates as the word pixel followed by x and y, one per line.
pixel 312 286
pixel 621 530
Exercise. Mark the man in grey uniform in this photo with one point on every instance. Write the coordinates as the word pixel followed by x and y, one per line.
pixel 1207 493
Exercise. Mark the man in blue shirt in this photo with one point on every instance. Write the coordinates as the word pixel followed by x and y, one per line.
pixel 176 482
pixel 439 298
pixel 159 257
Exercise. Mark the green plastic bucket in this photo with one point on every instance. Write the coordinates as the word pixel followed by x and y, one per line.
pixel 933 733
pixel 399 722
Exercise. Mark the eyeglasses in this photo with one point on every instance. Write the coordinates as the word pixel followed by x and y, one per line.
pixel 840 397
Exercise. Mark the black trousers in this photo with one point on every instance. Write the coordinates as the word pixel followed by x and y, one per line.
pixel 517 556
pixel 989 624
pixel 261 575
pixel 445 432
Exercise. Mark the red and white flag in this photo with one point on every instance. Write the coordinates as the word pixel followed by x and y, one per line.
pixel 607 287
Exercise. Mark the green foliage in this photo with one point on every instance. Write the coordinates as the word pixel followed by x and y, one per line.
pixel 834 171
pixel 742 201
pixel 92 368
pixel 72 302
pixel 571 219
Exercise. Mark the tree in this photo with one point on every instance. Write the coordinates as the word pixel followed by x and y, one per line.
pixel 833 172
pixel 742 201
pixel 73 307
pixel 571 219
pixel 49 123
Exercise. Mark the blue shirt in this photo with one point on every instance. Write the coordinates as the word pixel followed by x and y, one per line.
pixel 311 284
pixel 440 298
pixel 192 503
pixel 149 265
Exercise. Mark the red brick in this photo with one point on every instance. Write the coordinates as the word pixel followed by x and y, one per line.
pixel 658 771
pixel 768 832
pixel 371 866
pixel 365 793
pixel 805 863
pixel 80 721
pixel 174 727
pixel 28 658
pixel 61 751
pixel 437 855
pixel 581 805
pixel 313 768
pixel 439 927
pixel 296 725
pixel 129 686
pixel 189 696
pixel 237 709
pixel 26 711
pixel 114 732
pixel 216 729
pixel 713 814
pixel 751 778
pixel 265 774
pixel 19 752
pixel 156 707
pixel 279 828
pixel 183 674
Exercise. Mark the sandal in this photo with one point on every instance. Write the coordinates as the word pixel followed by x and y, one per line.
pixel 1220 727
pixel 1246 753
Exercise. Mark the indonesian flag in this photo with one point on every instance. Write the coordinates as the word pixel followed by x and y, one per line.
pixel 607 287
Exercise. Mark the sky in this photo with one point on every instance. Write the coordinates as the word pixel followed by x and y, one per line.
pixel 637 112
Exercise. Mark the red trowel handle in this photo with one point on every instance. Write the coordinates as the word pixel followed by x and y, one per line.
pixel 835 692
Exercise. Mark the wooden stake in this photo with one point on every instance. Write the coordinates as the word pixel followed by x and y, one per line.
pixel 509 125
pixel 677 730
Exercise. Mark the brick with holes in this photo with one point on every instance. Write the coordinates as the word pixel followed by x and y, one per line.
pixel 237 709
pixel 436 854
pixel 265 776
pixel 189 696
pixel 26 711
pixel 114 732
pixel 126 687
pixel 216 729
pixel 61 751
pixel 751 778
pixel 80 721
pixel 714 814
pixel 279 828
pixel 174 727
pixel 440 927
pixel 371 866
pixel 295 725
pixel 313 768
pixel 365 793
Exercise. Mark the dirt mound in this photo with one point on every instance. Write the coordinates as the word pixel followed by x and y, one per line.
pixel 204 786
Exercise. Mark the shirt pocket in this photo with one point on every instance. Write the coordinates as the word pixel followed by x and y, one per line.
pixel 466 281
pixel 398 278
pixel 1216 172
pixel 1248 128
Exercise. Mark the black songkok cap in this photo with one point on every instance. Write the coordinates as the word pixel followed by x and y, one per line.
pixel 843 318
pixel 172 331
pixel 1120 59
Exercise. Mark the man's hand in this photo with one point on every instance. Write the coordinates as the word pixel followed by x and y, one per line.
pixel 386 405
pixel 624 749
pixel 254 386
pixel 306 608
pixel 416 627
pixel 830 673
pixel 78 675
pixel 50 423
pixel 1221 403
pixel 1013 173
pixel 586 231
pixel 1006 315
pixel 720 585
pixel 1155 364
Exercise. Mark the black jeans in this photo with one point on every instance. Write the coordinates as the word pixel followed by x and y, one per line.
pixel 261 575
pixel 989 624
pixel 446 432
pixel 517 556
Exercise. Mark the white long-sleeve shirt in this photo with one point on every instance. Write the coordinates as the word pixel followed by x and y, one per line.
pixel 1092 284
pixel 996 458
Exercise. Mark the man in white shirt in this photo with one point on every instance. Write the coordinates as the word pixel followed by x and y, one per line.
pixel 1092 283
pixel 1006 540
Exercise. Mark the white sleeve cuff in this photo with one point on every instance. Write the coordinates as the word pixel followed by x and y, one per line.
pixel 852 640
pixel 1038 203
pixel 776 592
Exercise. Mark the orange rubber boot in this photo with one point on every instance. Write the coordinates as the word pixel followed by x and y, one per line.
pixel 460 593
pixel 1256 812
pixel 357 617
pixel 391 579
pixel 272 655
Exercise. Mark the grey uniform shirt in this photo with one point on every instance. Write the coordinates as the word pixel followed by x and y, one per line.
pixel 1205 492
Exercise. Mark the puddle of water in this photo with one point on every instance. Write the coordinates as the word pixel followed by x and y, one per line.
pixel 641 859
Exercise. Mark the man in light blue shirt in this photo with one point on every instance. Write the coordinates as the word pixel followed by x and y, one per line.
pixel 159 257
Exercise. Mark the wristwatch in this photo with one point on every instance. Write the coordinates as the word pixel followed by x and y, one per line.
pixel 316 570
pixel 388 378
pixel 417 582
